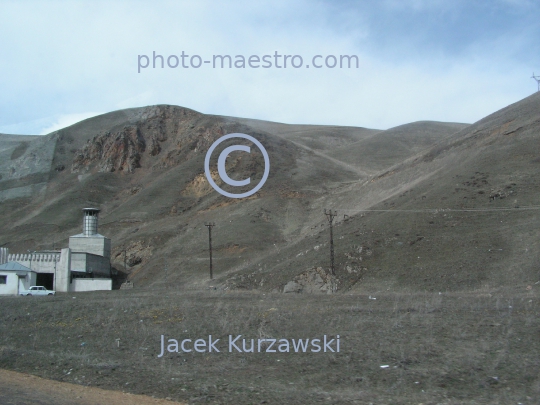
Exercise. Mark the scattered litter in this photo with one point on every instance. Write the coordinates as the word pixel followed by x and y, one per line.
pixel 83 344
pixel 385 366
pixel 372 298
pixel 74 297
pixel 417 382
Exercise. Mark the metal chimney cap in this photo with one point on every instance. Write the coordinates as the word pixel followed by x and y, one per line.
pixel 91 209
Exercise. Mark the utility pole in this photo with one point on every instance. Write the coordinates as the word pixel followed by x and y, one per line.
pixel 330 216
pixel 166 276
pixel 210 225
pixel 54 280
pixel 537 78
pixel 31 257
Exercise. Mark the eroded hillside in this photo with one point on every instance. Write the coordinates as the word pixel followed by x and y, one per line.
pixel 418 205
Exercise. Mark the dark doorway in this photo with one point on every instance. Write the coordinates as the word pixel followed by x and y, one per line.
pixel 45 280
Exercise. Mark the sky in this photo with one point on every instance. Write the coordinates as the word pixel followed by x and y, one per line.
pixel 457 61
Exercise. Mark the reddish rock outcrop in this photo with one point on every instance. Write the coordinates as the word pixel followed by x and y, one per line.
pixel 120 151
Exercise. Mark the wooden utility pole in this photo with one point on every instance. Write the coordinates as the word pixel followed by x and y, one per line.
pixel 166 276
pixel 210 225
pixel 330 216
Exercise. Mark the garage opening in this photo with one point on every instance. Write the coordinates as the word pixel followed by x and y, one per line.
pixel 45 280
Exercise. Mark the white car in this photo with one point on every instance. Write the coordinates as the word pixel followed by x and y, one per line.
pixel 37 290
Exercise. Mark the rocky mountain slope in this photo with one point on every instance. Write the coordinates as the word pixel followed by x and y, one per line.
pixel 426 205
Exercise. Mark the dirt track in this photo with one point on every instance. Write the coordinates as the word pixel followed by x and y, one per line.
pixel 22 389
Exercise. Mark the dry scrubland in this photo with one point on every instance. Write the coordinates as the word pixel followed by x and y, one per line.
pixel 452 348
pixel 437 221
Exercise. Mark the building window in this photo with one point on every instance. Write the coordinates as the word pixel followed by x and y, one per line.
pixel 3 279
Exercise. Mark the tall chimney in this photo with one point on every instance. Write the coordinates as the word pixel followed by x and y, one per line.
pixel 90 221
pixel 4 255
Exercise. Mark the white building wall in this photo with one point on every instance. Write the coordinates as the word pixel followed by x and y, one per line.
pixel 12 283
pixel 90 284
pixel 23 284
pixel 97 245
pixel 26 282
pixel 15 284
pixel 78 261
pixel 62 275
pixel 99 266
pixel 39 262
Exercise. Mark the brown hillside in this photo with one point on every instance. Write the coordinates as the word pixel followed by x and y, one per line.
pixel 144 168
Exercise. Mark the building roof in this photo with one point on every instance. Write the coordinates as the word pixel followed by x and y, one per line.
pixel 95 235
pixel 14 266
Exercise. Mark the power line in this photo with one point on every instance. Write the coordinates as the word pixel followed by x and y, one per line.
pixel 436 210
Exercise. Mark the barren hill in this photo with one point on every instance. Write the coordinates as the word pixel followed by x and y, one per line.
pixel 144 168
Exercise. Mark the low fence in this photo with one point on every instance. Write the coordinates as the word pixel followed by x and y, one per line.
pixel 90 284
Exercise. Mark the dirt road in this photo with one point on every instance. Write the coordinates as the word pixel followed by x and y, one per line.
pixel 23 389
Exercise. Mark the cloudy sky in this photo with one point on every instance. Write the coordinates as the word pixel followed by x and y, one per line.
pixel 458 60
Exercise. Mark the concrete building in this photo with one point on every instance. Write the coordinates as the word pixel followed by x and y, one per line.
pixel 83 266
pixel 15 277
pixel 91 252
